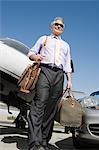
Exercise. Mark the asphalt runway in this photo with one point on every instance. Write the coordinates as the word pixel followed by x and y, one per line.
pixel 12 138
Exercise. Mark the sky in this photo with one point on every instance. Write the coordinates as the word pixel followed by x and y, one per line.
pixel 27 20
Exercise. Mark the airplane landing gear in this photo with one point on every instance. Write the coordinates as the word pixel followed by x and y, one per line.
pixel 20 121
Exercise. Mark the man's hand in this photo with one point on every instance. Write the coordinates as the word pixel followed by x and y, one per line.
pixel 39 57
pixel 69 85
pixel 36 57
pixel 69 80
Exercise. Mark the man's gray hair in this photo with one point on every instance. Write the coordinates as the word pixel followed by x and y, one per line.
pixel 57 18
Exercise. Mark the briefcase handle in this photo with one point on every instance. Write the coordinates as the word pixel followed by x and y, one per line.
pixel 68 93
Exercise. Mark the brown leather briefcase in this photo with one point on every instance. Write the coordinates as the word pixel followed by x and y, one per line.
pixel 29 77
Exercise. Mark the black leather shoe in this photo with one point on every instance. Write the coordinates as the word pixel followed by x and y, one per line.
pixel 45 145
pixel 46 148
pixel 40 148
pixel 37 147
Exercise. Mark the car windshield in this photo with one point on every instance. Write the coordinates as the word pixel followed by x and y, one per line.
pixel 89 101
pixel 96 94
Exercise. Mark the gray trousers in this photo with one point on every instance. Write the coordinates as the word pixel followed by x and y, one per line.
pixel 42 111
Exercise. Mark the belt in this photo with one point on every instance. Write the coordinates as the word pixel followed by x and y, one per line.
pixel 51 67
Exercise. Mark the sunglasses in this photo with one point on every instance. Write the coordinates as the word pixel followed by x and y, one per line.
pixel 61 25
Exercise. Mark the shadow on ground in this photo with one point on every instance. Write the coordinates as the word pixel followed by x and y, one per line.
pixel 21 142
pixel 67 144
pixel 4 129
pixel 20 137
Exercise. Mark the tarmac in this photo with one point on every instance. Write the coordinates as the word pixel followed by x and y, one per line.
pixel 12 138
pixel 15 139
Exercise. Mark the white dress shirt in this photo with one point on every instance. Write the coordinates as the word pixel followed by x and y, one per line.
pixel 49 52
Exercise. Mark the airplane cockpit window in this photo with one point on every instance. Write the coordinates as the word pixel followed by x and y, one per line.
pixel 16 44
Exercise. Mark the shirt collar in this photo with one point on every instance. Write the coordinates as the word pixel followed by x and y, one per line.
pixel 57 37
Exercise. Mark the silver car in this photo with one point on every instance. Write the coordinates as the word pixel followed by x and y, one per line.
pixel 89 131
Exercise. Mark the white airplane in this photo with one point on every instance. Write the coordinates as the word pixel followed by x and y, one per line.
pixel 13 61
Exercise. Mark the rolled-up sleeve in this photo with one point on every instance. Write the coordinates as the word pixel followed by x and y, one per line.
pixel 35 48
